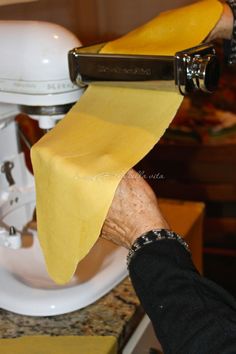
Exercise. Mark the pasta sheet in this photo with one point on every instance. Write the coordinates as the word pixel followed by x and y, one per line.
pixel 79 164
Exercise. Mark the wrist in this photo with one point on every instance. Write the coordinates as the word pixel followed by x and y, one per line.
pixel 154 236
pixel 145 227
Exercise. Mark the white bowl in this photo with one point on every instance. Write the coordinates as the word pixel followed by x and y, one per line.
pixel 27 289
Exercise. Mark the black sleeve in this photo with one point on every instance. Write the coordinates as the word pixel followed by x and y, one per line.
pixel 190 314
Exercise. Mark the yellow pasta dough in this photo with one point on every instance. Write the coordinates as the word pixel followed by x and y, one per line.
pixel 11 2
pixel 79 164
pixel 171 31
pixel 59 345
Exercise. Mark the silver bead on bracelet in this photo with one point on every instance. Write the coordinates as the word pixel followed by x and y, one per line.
pixel 232 55
pixel 154 236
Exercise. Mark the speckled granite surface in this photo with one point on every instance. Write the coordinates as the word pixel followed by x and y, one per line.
pixel 116 314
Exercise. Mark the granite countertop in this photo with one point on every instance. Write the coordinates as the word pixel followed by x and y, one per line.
pixel 119 312
pixel 115 314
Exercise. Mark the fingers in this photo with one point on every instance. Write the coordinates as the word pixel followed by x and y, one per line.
pixel 134 210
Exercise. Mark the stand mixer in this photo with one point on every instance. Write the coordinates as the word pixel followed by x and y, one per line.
pixel 34 79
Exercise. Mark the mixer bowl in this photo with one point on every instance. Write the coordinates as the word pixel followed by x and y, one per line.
pixel 28 290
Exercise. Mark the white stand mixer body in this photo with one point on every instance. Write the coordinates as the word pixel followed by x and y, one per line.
pixel 34 75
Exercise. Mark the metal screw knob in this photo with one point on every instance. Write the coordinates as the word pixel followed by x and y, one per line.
pixel 204 72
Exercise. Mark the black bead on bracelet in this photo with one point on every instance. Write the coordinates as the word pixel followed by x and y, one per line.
pixel 154 236
pixel 232 53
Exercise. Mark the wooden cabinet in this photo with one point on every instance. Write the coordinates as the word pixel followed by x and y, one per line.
pixel 91 20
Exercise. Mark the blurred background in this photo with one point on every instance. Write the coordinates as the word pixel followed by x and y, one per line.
pixel 91 20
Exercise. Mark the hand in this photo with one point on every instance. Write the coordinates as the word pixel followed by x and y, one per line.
pixel 224 27
pixel 134 211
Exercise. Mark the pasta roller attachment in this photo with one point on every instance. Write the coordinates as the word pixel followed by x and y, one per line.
pixel 194 69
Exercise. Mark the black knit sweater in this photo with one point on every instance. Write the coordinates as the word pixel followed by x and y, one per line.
pixel 190 314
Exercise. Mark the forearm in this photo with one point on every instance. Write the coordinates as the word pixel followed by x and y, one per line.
pixel 190 314
pixel 224 27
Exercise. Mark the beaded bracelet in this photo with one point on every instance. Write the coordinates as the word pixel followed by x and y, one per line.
pixel 154 236
pixel 232 54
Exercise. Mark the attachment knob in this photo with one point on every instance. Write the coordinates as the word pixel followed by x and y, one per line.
pixel 204 72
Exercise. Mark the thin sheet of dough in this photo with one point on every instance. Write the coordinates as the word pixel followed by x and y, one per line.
pixel 79 164
pixel 11 2
pixel 59 345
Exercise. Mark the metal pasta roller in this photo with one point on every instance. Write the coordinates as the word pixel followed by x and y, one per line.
pixel 190 70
